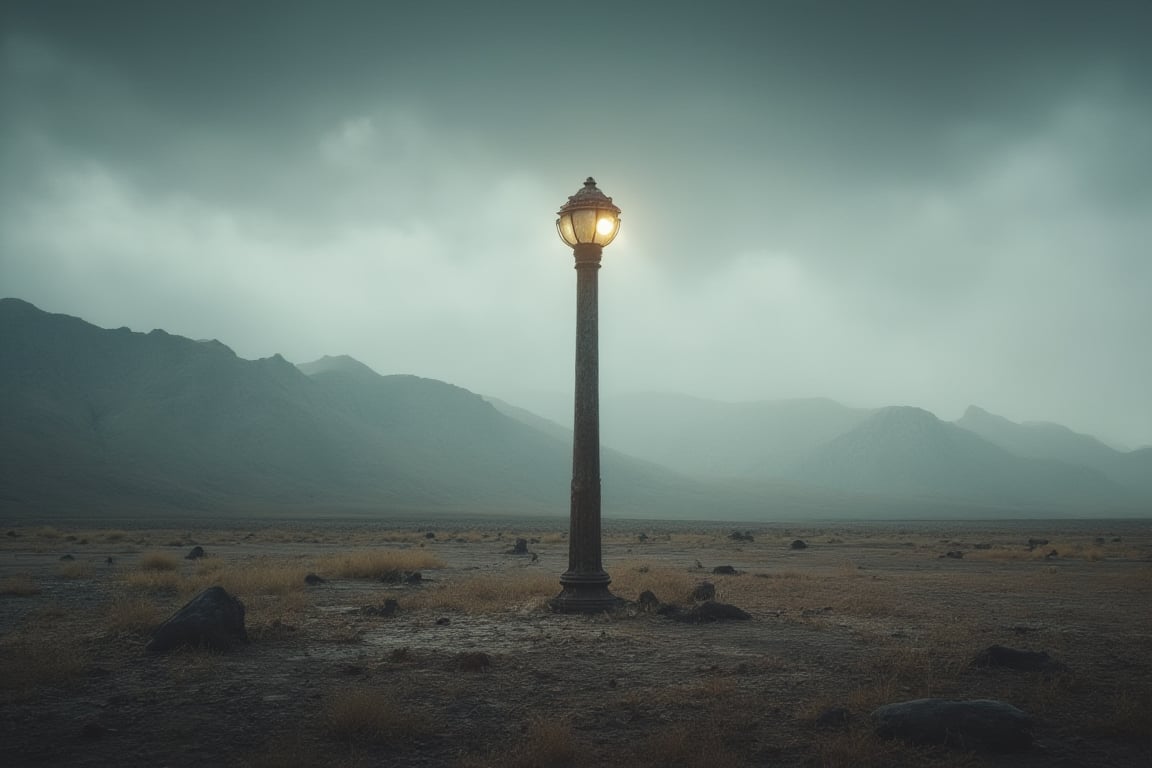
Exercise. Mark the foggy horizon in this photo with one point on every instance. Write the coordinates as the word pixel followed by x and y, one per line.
pixel 891 205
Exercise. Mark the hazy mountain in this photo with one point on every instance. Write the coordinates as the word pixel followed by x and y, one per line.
pixel 114 421
pixel 1044 440
pixel 904 450
pixel 100 419
pixel 709 438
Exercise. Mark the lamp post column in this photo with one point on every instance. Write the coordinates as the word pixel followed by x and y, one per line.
pixel 585 583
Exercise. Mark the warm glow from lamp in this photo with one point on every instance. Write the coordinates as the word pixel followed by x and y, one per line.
pixel 588 218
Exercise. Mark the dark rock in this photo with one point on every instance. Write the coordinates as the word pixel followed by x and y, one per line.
pixel 741 536
pixel 519 548
pixel 1117 539
pixel 641 537
pixel 955 554
pixel 474 661
pixel 979 724
pixel 195 553
pixel 110 560
pixel 1053 555
pixel 386 610
pixel 708 612
pixel 1033 543
pixel 443 621
pixel 93 730
pixel 212 619
pixel 648 600
pixel 705 590
pixel 312 580
pixel 798 544
pixel 833 717
pixel 67 557
pixel 983 545
pixel 1013 658
pixel 13 534
pixel 1101 540
pixel 430 535
pixel 724 570
pixel 414 578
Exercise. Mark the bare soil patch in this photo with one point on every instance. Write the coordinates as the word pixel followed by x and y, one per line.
pixel 471 669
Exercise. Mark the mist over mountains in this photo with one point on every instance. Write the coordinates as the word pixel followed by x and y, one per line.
pixel 113 421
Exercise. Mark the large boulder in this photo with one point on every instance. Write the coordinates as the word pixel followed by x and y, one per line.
pixel 979 724
pixel 212 619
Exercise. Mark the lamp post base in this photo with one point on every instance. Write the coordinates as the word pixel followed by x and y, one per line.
pixel 584 594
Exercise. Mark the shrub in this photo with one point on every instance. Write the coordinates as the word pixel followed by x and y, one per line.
pixel 159 561
pixel 375 563
pixel 21 585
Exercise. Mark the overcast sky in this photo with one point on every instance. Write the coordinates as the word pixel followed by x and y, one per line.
pixel 923 203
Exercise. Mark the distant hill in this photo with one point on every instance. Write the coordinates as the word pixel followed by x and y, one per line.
pixel 1044 440
pixel 908 451
pixel 116 422
pixel 711 439
pixel 103 419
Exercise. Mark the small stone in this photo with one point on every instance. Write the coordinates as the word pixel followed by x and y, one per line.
pixel 1053 555
pixel 724 570
pixel 415 577
pixel 313 580
pixel 1020 660
pixel 430 535
pixel 648 600
pixel 443 621
pixel 519 548
pixel 386 610
pixel 67 558
pixel 705 590
pixel 93 731
pixel 955 554
pixel 711 611
pixel 798 544
pixel 979 724
pixel 195 553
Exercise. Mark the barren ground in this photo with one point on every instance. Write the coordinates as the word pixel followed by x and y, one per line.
pixel 866 615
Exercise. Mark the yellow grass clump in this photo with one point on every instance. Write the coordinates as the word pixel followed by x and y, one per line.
pixel 376 563
pixel 371 714
pixel 20 585
pixel 159 561
pixel 131 615
pixel 490 592
pixel 75 569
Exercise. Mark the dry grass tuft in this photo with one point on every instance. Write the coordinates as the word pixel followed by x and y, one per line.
pixel 668 583
pixel 859 747
pixel 159 561
pixel 131 615
pixel 28 662
pixel 20 585
pixel 546 743
pixel 375 563
pixel 75 569
pixel 166 582
pixel 490 593
pixel 372 714
pixel 689 747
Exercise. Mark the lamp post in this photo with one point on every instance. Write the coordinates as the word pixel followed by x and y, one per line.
pixel 588 222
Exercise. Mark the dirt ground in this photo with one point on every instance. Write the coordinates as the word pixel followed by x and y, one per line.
pixel 473 670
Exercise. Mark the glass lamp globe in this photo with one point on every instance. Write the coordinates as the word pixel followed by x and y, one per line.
pixel 588 218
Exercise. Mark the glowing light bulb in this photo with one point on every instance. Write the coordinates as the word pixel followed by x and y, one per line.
pixel 605 226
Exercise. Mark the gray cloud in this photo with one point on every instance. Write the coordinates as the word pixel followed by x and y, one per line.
pixel 881 203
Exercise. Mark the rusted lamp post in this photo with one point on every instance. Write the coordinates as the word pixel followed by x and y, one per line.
pixel 588 222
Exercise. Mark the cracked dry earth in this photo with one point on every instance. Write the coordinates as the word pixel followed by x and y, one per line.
pixel 468 674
